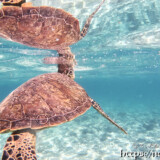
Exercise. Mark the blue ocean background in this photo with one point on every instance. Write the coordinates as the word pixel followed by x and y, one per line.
pixel 118 64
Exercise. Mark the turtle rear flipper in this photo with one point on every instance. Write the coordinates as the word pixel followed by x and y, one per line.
pixel 20 146
pixel 99 109
pixel 87 24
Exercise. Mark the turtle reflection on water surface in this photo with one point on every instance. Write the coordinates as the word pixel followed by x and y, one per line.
pixel 43 27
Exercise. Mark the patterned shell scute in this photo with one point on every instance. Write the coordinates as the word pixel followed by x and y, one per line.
pixel 44 101
pixel 40 27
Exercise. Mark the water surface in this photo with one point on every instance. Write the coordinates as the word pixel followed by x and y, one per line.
pixel 118 64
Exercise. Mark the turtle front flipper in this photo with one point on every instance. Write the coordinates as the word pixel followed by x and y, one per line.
pixel 99 109
pixel 66 62
pixel 20 146
pixel 87 24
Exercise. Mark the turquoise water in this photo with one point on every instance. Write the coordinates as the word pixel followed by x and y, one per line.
pixel 118 64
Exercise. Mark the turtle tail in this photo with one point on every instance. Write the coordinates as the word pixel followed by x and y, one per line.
pixel 99 109
pixel 87 24
pixel 20 146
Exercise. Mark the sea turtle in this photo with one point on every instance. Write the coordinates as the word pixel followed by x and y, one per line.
pixel 44 101
pixel 44 27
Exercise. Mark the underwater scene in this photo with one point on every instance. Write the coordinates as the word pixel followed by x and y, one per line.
pixel 118 65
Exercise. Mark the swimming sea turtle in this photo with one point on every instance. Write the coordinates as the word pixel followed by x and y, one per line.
pixel 44 101
pixel 44 27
